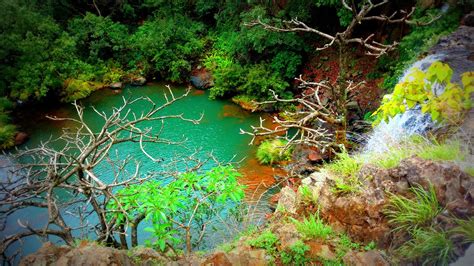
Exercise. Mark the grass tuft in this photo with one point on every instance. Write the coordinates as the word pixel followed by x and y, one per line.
pixel 345 165
pixel 466 229
pixel 428 246
pixel 410 214
pixel 313 227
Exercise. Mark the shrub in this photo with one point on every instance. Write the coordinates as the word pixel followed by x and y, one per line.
pixel 272 151
pixel 7 136
pixel 75 89
pixel 313 227
pixel 419 89
pixel 295 255
pixel 410 214
pixel 428 246
pixel 266 240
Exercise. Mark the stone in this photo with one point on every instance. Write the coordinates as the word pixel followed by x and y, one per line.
pixel 288 201
pixel 287 234
pixel 147 256
pixel 320 251
pixel 468 19
pixel 216 259
pixel 314 156
pixel 201 78
pixel 116 86
pixel 372 257
pixel 138 81
pixel 21 137
pixel 48 254
pixel 87 253
pixel 452 186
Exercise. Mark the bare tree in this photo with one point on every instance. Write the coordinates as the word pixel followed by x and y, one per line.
pixel 324 123
pixel 42 176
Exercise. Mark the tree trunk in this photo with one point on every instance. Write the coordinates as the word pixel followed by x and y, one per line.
pixel 188 240
pixel 134 228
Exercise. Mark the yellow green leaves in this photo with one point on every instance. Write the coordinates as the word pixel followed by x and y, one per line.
pixel 419 89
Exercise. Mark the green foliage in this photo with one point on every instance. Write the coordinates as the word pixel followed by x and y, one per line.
pixel 345 165
pixel 407 214
pixel 428 246
pixel 344 245
pixel 419 88
pixel 99 38
pixel 419 40
pixel 170 44
pixel 307 195
pixel 448 151
pixel 465 228
pixel 75 89
pixel 295 255
pixel 190 199
pixel 266 240
pixel 272 151
pixel 313 227
pixel 7 130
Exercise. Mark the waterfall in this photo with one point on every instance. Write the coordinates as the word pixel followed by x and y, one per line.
pixel 402 126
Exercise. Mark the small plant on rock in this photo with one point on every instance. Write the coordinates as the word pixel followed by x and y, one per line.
pixel 295 255
pixel 266 240
pixel 345 165
pixel 272 151
pixel 313 227
pixel 409 214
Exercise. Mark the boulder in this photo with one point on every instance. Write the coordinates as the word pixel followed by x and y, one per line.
pixel 288 201
pixel 371 257
pixel 116 86
pixel 320 251
pixel 21 137
pixel 138 81
pixel 201 78
pixel 454 188
pixel 87 253
pixel 287 234
pixel 468 20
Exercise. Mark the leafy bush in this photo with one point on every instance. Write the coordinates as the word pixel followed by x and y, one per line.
pixel 410 214
pixel 75 89
pixel 313 227
pixel 266 240
pixel 170 44
pixel 420 88
pixel 272 151
pixel 190 198
pixel 7 136
pixel 428 246
pixel 295 255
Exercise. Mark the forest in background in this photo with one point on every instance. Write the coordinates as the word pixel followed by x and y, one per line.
pixel 64 50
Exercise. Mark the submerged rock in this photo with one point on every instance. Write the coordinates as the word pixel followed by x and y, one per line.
pixel 137 81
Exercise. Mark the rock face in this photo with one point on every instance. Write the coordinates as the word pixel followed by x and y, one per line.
pixel 288 201
pixel 361 214
pixel 373 258
pixel 454 188
pixel 85 254
pixel 201 78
